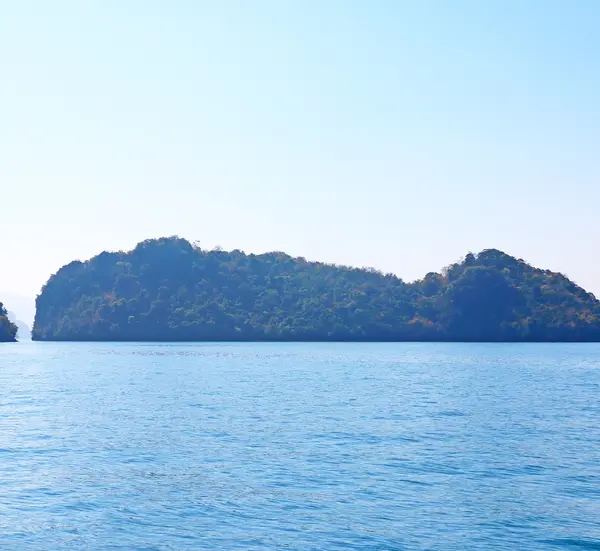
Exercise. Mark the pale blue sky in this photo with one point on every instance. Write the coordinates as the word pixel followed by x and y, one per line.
pixel 392 134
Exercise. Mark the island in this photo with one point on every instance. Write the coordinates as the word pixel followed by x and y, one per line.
pixel 168 289
pixel 8 330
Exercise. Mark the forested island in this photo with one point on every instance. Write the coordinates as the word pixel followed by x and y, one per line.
pixel 170 290
pixel 8 330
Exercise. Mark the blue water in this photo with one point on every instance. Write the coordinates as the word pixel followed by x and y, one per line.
pixel 299 447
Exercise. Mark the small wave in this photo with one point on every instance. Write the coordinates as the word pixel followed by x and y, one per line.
pixel 573 543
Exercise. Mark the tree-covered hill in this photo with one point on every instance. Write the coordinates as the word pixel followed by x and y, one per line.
pixel 8 330
pixel 167 289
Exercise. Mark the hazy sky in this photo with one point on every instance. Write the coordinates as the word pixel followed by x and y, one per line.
pixel 393 134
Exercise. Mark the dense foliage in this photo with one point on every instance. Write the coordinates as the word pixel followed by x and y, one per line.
pixel 8 330
pixel 168 289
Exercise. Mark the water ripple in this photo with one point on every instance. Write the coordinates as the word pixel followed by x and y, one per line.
pixel 373 447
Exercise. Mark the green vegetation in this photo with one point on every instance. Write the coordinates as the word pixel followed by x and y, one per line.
pixel 8 330
pixel 167 289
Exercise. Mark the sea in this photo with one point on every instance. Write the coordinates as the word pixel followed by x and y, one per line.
pixel 299 446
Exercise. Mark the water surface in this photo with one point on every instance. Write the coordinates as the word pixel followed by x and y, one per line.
pixel 299 446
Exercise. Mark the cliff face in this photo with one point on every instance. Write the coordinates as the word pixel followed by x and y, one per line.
pixel 167 289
